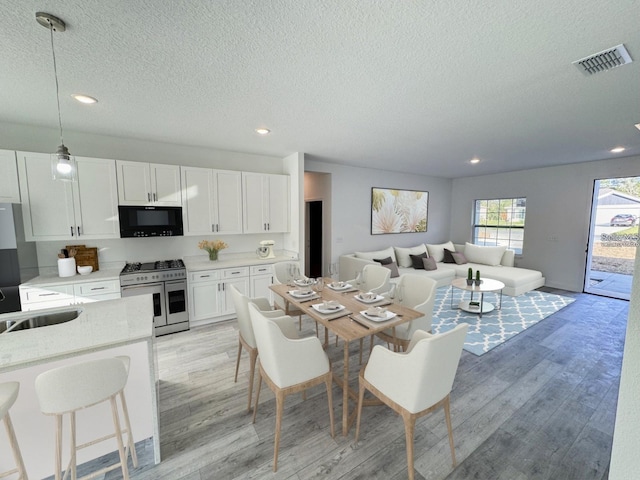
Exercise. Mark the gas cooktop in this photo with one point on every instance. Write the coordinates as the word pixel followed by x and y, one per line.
pixel 136 267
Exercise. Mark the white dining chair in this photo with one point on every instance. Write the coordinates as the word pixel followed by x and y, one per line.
pixel 373 278
pixel 287 365
pixel 416 382
pixel 418 293
pixel 283 273
pixel 246 338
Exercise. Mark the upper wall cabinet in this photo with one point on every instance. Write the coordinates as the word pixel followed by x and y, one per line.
pixel 148 184
pixel 266 203
pixel 211 201
pixel 58 210
pixel 9 189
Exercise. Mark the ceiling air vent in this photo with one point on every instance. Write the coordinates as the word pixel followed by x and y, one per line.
pixel 603 61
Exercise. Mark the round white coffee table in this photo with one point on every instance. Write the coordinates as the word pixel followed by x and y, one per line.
pixel 488 285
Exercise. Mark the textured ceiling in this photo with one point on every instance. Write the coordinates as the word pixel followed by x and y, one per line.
pixel 414 86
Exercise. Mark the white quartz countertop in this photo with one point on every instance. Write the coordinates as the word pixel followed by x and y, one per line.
pixel 194 264
pixel 52 278
pixel 100 325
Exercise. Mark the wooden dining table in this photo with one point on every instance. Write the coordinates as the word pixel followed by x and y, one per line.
pixel 347 324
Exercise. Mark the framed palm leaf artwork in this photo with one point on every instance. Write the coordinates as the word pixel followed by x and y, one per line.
pixel 398 211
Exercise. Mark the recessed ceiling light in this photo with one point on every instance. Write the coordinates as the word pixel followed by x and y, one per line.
pixel 474 160
pixel 263 131
pixel 638 126
pixel 84 98
pixel 617 150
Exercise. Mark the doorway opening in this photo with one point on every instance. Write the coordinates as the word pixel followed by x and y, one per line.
pixel 313 236
pixel 613 237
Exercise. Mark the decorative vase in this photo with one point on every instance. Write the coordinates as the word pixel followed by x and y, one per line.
pixel 213 255
pixel 469 281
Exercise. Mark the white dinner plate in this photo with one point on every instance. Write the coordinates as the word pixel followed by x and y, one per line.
pixel 388 316
pixel 300 293
pixel 318 308
pixel 377 298
pixel 346 286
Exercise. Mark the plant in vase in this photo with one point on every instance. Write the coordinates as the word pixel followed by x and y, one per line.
pixel 470 276
pixel 213 247
pixel 478 281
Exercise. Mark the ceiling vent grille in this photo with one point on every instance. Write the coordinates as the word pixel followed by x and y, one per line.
pixel 603 61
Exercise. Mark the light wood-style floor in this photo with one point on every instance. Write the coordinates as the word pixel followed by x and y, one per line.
pixel 540 406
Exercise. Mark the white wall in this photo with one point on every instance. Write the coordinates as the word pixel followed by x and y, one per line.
pixel 46 140
pixel 558 213
pixel 351 207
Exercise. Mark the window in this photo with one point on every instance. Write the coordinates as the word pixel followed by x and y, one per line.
pixel 500 221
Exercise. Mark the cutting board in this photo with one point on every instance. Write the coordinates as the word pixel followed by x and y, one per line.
pixel 86 256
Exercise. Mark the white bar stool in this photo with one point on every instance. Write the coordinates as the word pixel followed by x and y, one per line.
pixel 8 395
pixel 68 389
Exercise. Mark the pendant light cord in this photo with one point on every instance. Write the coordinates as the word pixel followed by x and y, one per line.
pixel 55 72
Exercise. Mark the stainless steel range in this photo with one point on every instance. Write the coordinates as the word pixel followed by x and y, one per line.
pixel 166 281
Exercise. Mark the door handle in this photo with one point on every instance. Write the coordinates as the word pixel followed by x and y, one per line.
pixel 148 197
pixel 78 229
pixel 155 197
pixel 71 227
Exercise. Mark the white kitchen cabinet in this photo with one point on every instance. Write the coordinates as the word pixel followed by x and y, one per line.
pixel 265 203
pixel 142 183
pixel 96 291
pixel 9 188
pixel 212 201
pixel 60 210
pixel 209 293
pixel 65 294
pixel 261 279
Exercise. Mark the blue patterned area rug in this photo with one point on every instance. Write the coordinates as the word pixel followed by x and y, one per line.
pixel 496 327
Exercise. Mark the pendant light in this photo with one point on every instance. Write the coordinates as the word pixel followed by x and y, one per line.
pixel 63 165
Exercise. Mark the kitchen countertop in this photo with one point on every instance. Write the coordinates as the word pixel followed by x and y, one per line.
pixel 100 325
pixel 194 264
pixel 52 278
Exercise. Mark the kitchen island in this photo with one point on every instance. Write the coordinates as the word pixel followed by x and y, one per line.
pixel 102 329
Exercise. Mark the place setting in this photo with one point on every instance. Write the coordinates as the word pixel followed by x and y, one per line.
pixel 303 294
pixel 370 298
pixel 331 308
pixel 343 287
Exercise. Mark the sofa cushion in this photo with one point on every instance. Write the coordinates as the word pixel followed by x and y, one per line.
pixel 416 260
pixel 459 258
pixel 437 251
pixel 448 258
pixel 484 255
pixel 402 254
pixel 390 264
pixel 429 264
pixel 387 252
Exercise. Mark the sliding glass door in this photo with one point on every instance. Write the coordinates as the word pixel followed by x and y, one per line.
pixel 615 214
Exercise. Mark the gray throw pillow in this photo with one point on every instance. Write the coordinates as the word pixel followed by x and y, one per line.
pixel 390 264
pixel 429 263
pixel 459 258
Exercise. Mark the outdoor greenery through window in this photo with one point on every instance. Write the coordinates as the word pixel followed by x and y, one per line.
pixel 500 221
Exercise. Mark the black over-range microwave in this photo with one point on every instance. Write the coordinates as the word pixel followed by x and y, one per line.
pixel 141 221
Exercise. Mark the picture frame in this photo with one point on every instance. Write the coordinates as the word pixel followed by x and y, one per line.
pixel 395 210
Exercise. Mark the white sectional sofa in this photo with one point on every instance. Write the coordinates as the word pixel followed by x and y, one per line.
pixel 492 262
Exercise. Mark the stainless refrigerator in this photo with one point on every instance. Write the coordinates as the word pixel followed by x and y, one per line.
pixel 18 258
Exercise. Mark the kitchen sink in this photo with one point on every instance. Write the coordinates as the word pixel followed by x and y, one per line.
pixel 35 320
